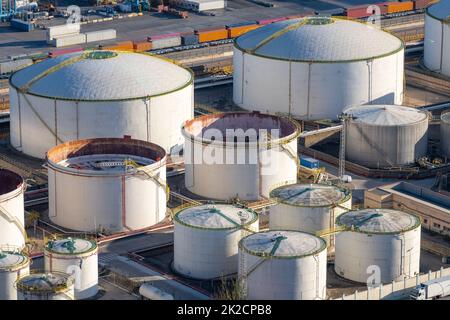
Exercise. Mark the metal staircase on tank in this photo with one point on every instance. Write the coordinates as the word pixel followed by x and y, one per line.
pixel 10 218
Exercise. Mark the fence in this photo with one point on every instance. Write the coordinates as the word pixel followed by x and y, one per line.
pixel 396 289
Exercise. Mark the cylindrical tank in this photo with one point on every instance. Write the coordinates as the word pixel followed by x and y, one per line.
pixel 445 134
pixel 206 239
pixel 377 245
pixel 239 154
pixel 308 207
pixel 314 67
pixel 12 188
pixel 107 184
pixel 13 265
pixel 99 94
pixel 283 265
pixel 78 257
pixel 386 135
pixel 45 286
pixel 151 292
pixel 437 37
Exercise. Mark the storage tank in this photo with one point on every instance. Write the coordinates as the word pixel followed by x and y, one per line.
pixel 375 240
pixel 314 67
pixel 445 134
pixel 13 265
pixel 75 256
pixel 12 188
pixel 308 207
pixel 437 37
pixel 106 184
pixel 45 286
pixel 386 135
pixel 239 154
pixel 206 239
pixel 99 94
pixel 283 265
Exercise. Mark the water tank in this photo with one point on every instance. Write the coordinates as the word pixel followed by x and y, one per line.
pixel 75 256
pixel 386 135
pixel 283 265
pixel 12 188
pixel 107 184
pixel 206 239
pixel 13 265
pixel 45 286
pixel 445 134
pixel 377 242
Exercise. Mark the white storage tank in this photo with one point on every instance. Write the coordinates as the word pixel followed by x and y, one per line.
pixel 375 242
pixel 99 94
pixel 314 67
pixel 283 265
pixel 13 265
pixel 75 256
pixel 107 184
pixel 308 207
pixel 45 286
pixel 437 37
pixel 12 188
pixel 386 135
pixel 239 154
pixel 445 134
pixel 206 239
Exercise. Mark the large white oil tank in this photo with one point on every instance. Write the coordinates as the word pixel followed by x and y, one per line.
pixel 99 94
pixel 45 286
pixel 437 37
pixel 13 265
pixel 445 134
pixel 107 184
pixel 77 256
pixel 12 188
pixel 377 245
pixel 206 239
pixel 283 265
pixel 308 207
pixel 239 154
pixel 314 67
pixel 386 135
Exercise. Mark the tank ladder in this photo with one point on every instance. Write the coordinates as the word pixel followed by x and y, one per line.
pixel 10 218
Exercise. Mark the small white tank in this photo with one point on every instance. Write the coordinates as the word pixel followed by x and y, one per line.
pixel 13 265
pixel 78 257
pixel 283 265
pixel 45 286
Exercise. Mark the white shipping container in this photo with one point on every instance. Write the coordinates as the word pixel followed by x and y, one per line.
pixel 62 30
pixel 106 34
pixel 166 42
pixel 11 66
pixel 69 40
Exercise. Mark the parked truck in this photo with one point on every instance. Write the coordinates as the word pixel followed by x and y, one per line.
pixel 433 289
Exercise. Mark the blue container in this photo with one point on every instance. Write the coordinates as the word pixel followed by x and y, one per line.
pixel 310 163
pixel 22 25
pixel 189 39
pixel 240 24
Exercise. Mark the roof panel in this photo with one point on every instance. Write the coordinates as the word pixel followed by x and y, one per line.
pixel 386 115
pixel 440 10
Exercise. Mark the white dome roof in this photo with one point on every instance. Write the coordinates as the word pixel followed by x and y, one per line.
pixel 385 115
pixel 70 246
pixel 89 76
pixel 321 39
pixel 11 260
pixel 440 10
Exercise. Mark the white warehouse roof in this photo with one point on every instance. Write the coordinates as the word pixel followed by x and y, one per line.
pixel 385 115
pixel 440 10
pixel 102 75
pixel 378 221
pixel 321 39
pixel 71 246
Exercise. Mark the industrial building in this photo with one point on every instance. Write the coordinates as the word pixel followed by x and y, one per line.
pixel 13 265
pixel 283 265
pixel 239 154
pixel 45 286
pixel 78 256
pixel 445 134
pixel 199 5
pixel 107 184
pixel 206 239
pixel 12 188
pixel 315 67
pixel 99 94
pixel 386 135
pixel 376 242
pixel 308 207
pixel 437 38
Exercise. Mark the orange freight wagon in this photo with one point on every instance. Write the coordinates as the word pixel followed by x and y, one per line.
pixel 211 35
pixel 234 32
pixel 394 7
pixel 121 46
pixel 142 46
